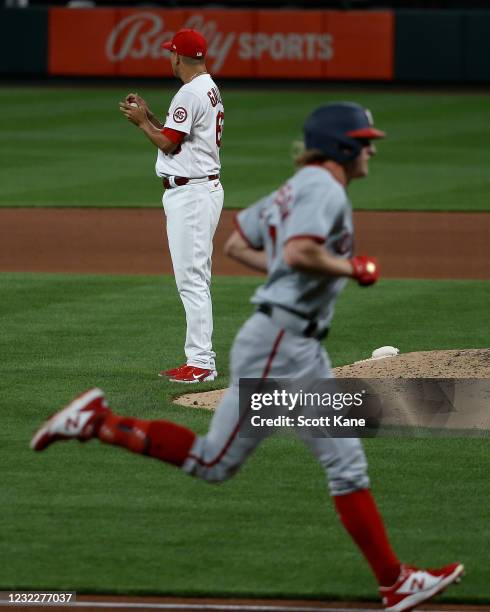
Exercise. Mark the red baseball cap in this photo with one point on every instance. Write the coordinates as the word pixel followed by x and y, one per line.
pixel 189 43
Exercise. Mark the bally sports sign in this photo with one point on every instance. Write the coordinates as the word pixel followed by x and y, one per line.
pixel 141 36
pixel 251 44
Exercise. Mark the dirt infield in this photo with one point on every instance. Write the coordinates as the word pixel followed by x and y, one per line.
pixel 133 241
pixel 462 363
pixel 95 603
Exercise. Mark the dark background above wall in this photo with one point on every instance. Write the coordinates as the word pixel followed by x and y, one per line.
pixel 291 4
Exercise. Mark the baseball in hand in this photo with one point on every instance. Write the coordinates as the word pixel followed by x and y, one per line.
pixel 133 104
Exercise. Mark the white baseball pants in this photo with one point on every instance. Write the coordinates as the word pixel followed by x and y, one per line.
pixel 193 213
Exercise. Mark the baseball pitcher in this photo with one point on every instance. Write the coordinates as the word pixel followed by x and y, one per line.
pixel 188 163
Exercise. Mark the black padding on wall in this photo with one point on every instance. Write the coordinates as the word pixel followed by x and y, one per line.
pixel 429 46
pixel 477 46
pixel 23 41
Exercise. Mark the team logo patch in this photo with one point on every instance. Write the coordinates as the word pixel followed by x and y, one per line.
pixel 180 114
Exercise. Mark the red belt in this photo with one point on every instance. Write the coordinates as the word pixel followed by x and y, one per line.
pixel 182 180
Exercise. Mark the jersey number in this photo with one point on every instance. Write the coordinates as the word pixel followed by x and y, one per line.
pixel 219 127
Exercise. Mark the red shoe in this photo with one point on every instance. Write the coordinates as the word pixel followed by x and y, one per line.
pixel 415 586
pixel 192 374
pixel 77 420
pixel 173 371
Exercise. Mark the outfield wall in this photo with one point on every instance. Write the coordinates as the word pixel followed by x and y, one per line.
pixel 405 46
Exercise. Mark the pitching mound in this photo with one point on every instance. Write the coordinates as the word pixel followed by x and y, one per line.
pixel 463 363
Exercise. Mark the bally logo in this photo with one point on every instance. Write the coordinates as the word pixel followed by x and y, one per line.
pixel 140 36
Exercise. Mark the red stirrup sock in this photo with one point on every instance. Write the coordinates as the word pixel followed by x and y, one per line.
pixel 361 518
pixel 160 439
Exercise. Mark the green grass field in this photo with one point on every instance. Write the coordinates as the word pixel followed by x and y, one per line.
pixel 96 519
pixel 71 147
pixel 93 518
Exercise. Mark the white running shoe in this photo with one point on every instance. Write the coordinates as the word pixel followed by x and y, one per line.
pixel 416 586
pixel 77 420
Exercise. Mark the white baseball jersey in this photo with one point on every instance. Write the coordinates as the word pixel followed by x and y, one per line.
pixel 196 110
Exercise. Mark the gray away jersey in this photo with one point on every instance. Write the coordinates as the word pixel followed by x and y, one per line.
pixel 310 204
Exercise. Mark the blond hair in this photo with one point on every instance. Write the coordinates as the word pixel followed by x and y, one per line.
pixel 303 157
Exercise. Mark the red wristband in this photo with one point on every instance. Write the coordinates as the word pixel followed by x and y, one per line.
pixel 174 135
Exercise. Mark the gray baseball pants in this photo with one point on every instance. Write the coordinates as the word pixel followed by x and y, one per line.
pixel 262 349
